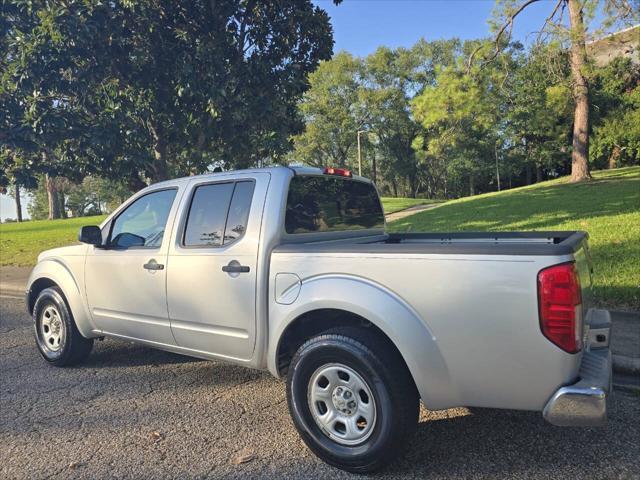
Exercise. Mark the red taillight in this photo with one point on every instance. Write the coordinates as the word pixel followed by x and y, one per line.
pixel 560 310
pixel 341 172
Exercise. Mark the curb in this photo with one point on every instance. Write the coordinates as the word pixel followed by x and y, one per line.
pixel 13 280
pixel 629 383
pixel 12 290
pixel 627 365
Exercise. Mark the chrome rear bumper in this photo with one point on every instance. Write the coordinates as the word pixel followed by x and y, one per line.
pixel 584 403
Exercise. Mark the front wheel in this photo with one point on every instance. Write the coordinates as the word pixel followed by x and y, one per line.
pixel 352 399
pixel 57 337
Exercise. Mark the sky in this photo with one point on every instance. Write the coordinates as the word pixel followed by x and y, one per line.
pixel 361 26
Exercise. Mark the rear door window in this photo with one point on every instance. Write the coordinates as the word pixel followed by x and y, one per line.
pixel 238 212
pixel 329 204
pixel 218 214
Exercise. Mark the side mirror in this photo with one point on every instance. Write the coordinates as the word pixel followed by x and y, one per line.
pixel 90 234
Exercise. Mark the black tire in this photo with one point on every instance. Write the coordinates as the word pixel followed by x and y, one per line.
pixel 72 347
pixel 385 373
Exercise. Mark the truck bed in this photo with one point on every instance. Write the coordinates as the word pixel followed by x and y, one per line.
pixel 469 243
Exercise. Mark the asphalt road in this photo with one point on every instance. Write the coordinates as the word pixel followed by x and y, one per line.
pixel 133 412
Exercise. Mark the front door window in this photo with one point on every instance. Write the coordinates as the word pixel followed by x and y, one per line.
pixel 142 224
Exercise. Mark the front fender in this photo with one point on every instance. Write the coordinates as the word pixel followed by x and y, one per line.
pixel 386 310
pixel 68 276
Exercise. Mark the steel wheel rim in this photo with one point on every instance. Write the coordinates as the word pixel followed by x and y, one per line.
pixel 342 404
pixel 52 328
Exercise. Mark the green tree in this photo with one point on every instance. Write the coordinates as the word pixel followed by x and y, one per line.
pixel 580 13
pixel 92 196
pixel 15 175
pixel 95 196
pixel 148 90
pixel 390 81
pixel 41 92
pixel 333 112
pixel 538 113
pixel 462 114
pixel 616 107
pixel 371 96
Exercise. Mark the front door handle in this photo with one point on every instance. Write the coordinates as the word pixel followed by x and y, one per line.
pixel 235 267
pixel 153 265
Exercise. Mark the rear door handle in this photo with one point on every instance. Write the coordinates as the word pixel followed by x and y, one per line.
pixel 153 265
pixel 235 267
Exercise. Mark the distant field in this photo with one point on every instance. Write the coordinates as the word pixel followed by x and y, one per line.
pixel 392 205
pixel 20 243
pixel 607 207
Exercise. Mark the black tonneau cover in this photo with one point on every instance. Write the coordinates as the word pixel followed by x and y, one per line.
pixel 470 243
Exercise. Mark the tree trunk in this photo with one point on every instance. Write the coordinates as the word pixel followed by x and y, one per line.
pixel 527 174
pixel 159 167
pixel 63 206
pixel 52 196
pixel 374 173
pixel 613 159
pixel 580 153
pixel 135 183
pixel 538 173
pixel 472 185
pixel 394 186
pixel 497 165
pixel 414 186
pixel 18 203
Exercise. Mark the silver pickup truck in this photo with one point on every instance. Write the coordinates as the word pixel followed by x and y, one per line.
pixel 290 270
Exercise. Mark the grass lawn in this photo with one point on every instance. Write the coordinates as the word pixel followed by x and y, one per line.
pixel 392 205
pixel 20 243
pixel 607 207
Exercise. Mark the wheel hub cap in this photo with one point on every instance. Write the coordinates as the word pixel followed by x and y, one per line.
pixel 344 400
pixel 51 328
pixel 342 404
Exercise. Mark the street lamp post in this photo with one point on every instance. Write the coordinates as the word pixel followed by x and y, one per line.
pixel 497 166
pixel 359 153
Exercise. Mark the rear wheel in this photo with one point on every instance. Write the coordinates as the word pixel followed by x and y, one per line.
pixel 57 337
pixel 355 409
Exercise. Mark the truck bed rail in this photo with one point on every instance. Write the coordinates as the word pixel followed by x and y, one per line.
pixel 467 243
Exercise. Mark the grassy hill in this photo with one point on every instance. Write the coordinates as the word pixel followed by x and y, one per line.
pixel 607 207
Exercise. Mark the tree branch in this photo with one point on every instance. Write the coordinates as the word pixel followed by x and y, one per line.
pixel 549 18
pixel 507 24
pixel 248 13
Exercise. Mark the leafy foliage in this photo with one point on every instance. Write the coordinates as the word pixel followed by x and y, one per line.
pixel 616 139
pixel 333 111
pixel 437 128
pixel 152 89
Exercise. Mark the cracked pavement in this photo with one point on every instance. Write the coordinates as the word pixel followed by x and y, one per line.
pixel 134 412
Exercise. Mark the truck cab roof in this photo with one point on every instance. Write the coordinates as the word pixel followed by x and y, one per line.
pixel 275 170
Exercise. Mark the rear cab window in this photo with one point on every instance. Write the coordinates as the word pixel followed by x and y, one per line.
pixel 317 204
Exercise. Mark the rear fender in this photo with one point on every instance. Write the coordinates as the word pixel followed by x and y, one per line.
pixel 387 311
